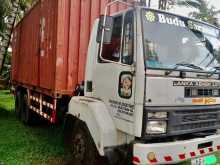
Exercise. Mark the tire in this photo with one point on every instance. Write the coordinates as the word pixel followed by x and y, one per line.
pixel 79 145
pixel 26 113
pixel 18 104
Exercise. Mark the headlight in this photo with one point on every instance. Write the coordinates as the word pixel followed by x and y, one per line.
pixel 157 115
pixel 156 127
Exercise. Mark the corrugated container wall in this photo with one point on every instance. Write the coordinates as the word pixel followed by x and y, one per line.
pixel 50 44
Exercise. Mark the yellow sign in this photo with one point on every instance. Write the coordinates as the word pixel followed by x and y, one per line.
pixel 150 16
pixel 205 101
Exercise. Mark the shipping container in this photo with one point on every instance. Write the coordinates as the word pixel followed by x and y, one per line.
pixel 50 44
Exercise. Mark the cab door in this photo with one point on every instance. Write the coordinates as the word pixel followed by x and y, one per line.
pixel 114 79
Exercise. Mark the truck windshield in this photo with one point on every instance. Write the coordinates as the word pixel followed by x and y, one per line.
pixel 170 40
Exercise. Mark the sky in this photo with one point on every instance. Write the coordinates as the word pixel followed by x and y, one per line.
pixel 185 11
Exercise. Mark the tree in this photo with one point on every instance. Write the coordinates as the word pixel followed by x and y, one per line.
pixel 203 12
pixel 24 6
pixel 4 11
pixel 11 11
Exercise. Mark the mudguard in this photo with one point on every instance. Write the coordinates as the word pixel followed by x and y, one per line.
pixel 98 120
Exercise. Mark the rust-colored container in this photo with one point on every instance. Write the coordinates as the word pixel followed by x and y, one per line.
pixel 50 44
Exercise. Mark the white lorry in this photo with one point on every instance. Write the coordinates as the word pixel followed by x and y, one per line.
pixel 152 91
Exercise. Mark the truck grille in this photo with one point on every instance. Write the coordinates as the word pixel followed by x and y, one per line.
pixel 190 121
pixel 202 92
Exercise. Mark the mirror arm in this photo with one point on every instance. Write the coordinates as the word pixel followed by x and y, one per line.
pixel 133 66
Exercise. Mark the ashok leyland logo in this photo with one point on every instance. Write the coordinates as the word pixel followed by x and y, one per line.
pixel 150 16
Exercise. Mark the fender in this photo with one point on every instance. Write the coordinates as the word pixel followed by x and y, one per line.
pixel 98 120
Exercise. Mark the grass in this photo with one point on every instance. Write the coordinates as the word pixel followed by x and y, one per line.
pixel 23 145
pixel 36 145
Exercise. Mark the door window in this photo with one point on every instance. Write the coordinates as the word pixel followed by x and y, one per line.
pixel 128 43
pixel 111 51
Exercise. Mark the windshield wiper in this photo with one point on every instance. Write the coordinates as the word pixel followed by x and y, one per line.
pixel 213 58
pixel 208 54
pixel 215 71
pixel 192 66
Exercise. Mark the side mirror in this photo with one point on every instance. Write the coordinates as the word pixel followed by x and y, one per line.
pixel 108 27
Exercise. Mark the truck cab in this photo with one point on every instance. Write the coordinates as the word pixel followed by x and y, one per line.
pixel 153 85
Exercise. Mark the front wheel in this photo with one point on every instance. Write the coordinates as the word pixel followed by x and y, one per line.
pixel 80 146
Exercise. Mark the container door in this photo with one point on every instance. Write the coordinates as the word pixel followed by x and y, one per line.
pixel 114 81
pixel 47 37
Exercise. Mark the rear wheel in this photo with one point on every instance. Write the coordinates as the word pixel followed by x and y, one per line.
pixel 79 144
pixel 18 104
pixel 26 113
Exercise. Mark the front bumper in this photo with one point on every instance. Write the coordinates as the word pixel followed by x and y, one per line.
pixel 175 152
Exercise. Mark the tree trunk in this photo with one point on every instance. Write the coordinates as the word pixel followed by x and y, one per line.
pixel 1 60
pixel 8 33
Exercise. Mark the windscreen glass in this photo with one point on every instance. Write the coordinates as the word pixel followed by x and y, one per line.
pixel 171 40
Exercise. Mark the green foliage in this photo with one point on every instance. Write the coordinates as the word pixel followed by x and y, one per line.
pixel 6 100
pixel 25 4
pixel 23 145
pixel 7 67
pixel 5 8
pixel 4 11
pixel 203 12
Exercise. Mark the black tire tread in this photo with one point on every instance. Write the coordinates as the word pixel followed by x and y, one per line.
pixel 72 127
pixel 18 102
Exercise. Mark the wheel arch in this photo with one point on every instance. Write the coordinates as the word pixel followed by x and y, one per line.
pixel 21 89
pixel 97 118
